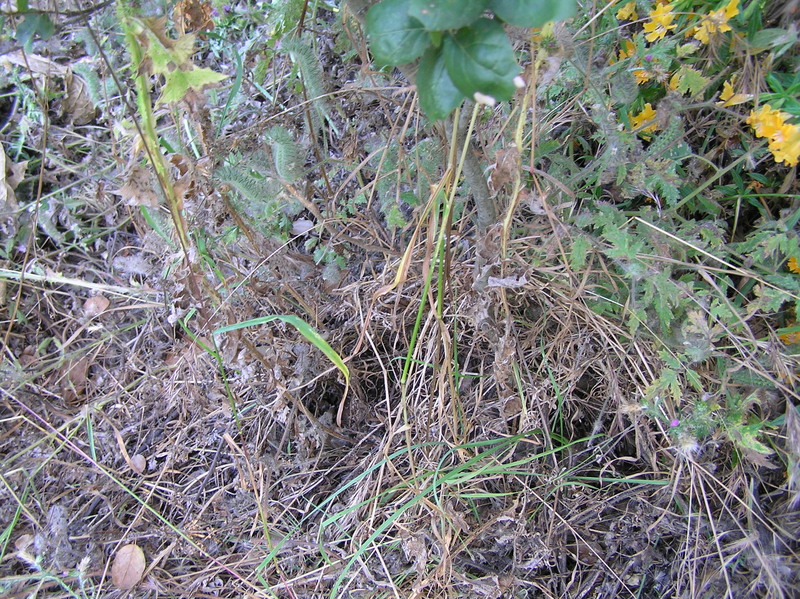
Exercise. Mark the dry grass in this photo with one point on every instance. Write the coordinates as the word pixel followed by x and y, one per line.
pixel 503 451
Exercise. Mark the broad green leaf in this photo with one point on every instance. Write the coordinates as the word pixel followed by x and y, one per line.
pixel 480 59
pixel 532 13
pixel 178 82
pixel 394 36
pixel 34 24
pixel 305 329
pixel 439 15
pixel 166 58
pixel 438 95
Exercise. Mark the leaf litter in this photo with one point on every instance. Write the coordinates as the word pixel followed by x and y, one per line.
pixel 517 460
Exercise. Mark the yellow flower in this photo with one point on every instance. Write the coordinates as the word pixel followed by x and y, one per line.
pixel 766 121
pixel 647 115
pixel 716 22
pixel 785 144
pixel 628 12
pixel 728 98
pixel 660 22
pixel 790 338
pixel 642 75
pixel 793 265
pixel 784 138
pixel 628 49
pixel 674 81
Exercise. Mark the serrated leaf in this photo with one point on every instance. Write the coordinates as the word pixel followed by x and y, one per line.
pixel 532 13
pixel 438 95
pixel 439 15
pixel 480 59
pixel 580 249
pixel 179 82
pixel 690 80
pixel 394 36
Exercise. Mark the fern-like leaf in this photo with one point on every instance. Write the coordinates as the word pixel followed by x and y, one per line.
pixel 308 64
pixel 286 154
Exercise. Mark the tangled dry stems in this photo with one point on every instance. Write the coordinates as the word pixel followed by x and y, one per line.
pixel 515 458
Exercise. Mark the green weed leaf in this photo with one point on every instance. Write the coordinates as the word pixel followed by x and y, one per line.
pixel 438 95
pixel 179 82
pixel 438 15
pixel 690 80
pixel 34 24
pixel 395 36
pixel 532 13
pixel 305 329
pixel 480 59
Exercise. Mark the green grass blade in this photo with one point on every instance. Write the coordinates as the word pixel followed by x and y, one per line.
pixel 305 329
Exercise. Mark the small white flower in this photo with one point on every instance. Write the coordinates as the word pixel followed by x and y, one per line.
pixel 519 82
pixel 484 99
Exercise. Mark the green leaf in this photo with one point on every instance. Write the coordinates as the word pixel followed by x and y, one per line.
pixel 532 13
pixel 691 80
pixel 179 82
pixel 480 59
pixel 580 250
pixel 767 39
pixel 438 95
pixel 305 329
pixel 34 24
pixel 394 36
pixel 167 58
pixel 438 15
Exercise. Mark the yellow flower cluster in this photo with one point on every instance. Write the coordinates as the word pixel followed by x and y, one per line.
pixel 660 22
pixel 784 137
pixel 628 12
pixel 629 49
pixel 715 22
pixel 647 115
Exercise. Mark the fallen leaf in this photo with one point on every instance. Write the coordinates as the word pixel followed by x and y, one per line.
pixel 504 169
pixel 138 463
pixel 139 188
pixel 78 105
pixel 508 282
pixel 128 567
pixel 302 226
pixel 23 542
pixel 95 305
pixel 74 385
pixel 197 15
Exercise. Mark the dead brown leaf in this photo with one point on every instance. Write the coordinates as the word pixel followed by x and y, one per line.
pixel 128 567
pixel 505 168
pixel 138 463
pixel 78 105
pixel 95 305
pixel 74 386
pixel 139 189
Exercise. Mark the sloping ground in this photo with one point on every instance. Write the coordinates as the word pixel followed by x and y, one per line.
pixel 504 433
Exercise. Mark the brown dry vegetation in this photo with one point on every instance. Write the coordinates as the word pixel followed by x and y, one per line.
pixel 507 455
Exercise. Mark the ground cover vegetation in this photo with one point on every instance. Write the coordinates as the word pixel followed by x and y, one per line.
pixel 278 322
